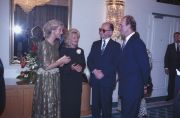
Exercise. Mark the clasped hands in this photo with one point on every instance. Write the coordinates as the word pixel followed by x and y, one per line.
pixel 76 67
pixel 98 73
pixel 146 89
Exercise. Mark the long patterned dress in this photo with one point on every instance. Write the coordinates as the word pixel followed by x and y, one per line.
pixel 46 99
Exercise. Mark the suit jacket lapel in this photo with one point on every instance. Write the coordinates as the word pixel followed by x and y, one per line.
pixel 129 41
pixel 133 37
pixel 98 47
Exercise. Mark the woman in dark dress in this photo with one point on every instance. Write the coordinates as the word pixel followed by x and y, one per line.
pixel 2 88
pixel 71 75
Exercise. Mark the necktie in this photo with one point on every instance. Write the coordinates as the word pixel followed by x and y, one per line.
pixel 123 45
pixel 103 46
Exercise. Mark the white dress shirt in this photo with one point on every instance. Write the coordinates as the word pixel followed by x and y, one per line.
pixel 106 42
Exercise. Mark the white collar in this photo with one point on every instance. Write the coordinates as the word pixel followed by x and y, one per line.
pixel 177 45
pixel 106 41
pixel 128 37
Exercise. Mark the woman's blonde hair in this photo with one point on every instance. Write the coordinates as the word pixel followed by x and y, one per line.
pixel 50 26
pixel 68 36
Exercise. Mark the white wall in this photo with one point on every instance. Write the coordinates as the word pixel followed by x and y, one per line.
pixel 87 16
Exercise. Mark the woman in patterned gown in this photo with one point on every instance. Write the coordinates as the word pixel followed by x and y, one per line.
pixel 46 99
pixel 72 75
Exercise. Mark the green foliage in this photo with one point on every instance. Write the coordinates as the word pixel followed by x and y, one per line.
pixel 27 77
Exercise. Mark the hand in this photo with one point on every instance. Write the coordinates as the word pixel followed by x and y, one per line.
pixel 63 60
pixel 166 71
pixel 145 90
pixel 98 74
pixel 76 67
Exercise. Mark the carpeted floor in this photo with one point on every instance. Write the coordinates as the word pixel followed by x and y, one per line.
pixel 160 112
pixel 161 109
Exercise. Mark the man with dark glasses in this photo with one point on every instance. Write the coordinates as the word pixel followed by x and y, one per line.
pixel 102 63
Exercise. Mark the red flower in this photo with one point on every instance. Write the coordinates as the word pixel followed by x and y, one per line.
pixel 34 47
pixel 23 62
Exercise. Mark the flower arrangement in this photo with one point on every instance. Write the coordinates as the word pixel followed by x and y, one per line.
pixel 27 77
pixel 29 61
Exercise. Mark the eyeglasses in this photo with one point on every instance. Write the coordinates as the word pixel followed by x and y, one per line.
pixel 103 30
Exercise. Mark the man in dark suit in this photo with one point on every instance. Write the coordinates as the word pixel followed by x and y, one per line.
pixel 171 63
pixel 102 62
pixel 133 69
pixel 2 88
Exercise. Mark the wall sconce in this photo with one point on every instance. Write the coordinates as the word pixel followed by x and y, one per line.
pixel 114 14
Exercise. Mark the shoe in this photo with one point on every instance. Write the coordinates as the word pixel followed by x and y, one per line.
pixel 119 110
pixel 145 116
pixel 168 99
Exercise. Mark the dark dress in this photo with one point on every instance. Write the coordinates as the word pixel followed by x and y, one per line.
pixel 2 88
pixel 71 83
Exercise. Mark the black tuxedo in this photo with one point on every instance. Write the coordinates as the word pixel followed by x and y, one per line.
pixel 102 89
pixel 2 88
pixel 172 62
